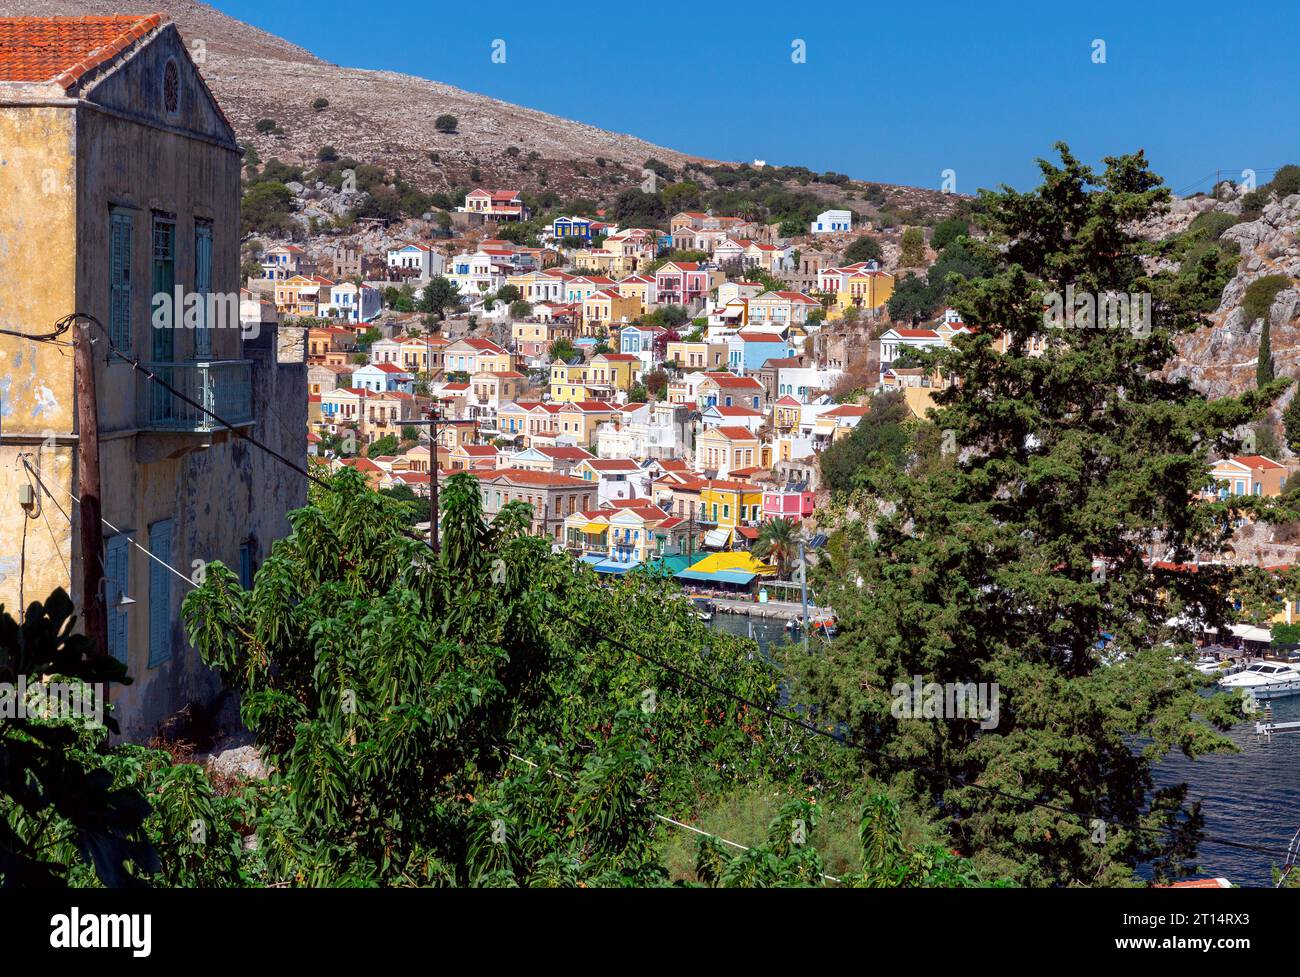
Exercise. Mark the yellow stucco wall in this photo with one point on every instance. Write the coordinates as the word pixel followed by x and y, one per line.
pixel 38 254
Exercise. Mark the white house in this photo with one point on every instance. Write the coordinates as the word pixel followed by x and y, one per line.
pixel 382 378
pixel 833 222
pixel 421 257
pixel 353 303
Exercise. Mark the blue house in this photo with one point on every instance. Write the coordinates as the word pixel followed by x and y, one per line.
pixel 571 227
pixel 748 351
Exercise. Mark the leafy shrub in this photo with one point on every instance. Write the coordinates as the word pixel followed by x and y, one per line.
pixel 1260 295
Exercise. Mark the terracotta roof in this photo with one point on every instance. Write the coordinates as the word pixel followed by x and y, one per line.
pixel 735 433
pixel 544 479
pixel 564 453
pixel 65 49
pixel 612 464
pixel 1256 461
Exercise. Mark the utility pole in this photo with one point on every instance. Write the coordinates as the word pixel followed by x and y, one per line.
pixel 803 588
pixel 91 513
pixel 433 423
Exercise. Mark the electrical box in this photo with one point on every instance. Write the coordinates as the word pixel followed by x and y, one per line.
pixel 26 495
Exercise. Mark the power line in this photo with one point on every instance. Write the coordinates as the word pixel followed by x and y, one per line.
pixel 771 713
pixel 668 820
pixel 120 532
pixel 880 755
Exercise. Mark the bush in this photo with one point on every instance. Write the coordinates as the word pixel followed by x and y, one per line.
pixel 327 154
pixel 913 247
pixel 1286 181
pixel 267 126
pixel 1260 295
pixel 1213 223
pixel 445 123
pixel 865 248
pixel 947 230
pixel 320 104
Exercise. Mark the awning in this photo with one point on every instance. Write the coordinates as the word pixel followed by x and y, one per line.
pixel 595 530
pixel 715 539
pixel 592 559
pixel 1248 633
pixel 614 566
pixel 738 577
pixel 669 565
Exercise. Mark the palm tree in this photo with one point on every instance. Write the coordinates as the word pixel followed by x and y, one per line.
pixel 778 541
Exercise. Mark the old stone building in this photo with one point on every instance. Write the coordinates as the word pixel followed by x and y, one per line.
pixel 120 180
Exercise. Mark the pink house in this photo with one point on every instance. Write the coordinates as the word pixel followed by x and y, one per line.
pixel 788 504
pixel 681 283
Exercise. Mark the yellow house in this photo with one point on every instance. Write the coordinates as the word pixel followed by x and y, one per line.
pixel 581 418
pixel 697 356
pixel 863 290
pixel 568 382
pixel 301 294
pixel 786 414
pixel 729 504
pixel 607 306
pixel 725 448
pixel 640 288
pixel 616 371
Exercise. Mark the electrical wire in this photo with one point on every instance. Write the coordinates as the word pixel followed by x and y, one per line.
pixel 842 740
pixel 600 635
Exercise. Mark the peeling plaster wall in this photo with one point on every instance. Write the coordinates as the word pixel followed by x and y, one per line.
pixel 38 251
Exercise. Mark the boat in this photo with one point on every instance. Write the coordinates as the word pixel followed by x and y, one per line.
pixel 703 608
pixel 1213 665
pixel 1265 680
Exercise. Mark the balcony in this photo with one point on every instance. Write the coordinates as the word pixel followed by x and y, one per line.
pixel 224 387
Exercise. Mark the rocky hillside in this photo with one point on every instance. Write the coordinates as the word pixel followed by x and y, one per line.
pixel 1221 358
pixel 388 118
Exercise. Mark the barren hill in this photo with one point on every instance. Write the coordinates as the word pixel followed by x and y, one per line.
pixel 373 116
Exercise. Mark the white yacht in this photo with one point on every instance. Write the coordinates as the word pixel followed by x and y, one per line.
pixel 1265 680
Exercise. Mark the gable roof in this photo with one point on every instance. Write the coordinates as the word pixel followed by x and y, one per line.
pixel 64 50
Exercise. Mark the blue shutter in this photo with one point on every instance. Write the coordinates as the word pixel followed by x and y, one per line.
pixel 246 565
pixel 119 307
pixel 160 593
pixel 117 573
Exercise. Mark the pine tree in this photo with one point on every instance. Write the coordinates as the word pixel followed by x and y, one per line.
pixel 1023 563
pixel 1264 366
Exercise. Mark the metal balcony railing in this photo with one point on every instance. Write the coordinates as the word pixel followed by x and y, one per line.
pixel 224 387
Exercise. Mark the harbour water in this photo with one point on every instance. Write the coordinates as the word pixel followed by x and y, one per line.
pixel 1250 797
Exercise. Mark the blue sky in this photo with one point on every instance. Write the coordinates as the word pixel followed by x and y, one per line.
pixel 891 92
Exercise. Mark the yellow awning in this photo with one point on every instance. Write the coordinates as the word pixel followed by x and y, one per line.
pixel 593 529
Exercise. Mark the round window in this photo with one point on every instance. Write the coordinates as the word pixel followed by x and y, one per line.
pixel 171 88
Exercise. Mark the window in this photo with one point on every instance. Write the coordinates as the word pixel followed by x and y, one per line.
pixel 171 85
pixel 164 283
pixel 119 305
pixel 203 286
pixel 160 592
pixel 117 571
pixel 246 564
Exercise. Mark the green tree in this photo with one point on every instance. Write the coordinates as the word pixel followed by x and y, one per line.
pixel 1291 421
pixel 460 717
pixel 1007 564
pixel 948 230
pixel 777 543
pixel 387 445
pixel 438 295
pixel 446 123
pixel 863 248
pixel 562 349
pixel 880 438
pixel 913 254
pixel 1264 360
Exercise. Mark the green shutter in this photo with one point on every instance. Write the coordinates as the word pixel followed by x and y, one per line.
pixel 119 307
